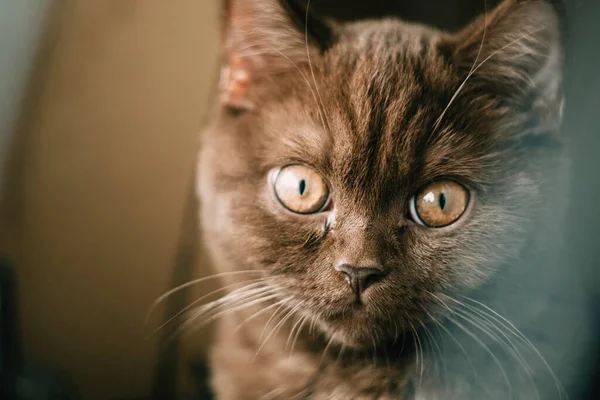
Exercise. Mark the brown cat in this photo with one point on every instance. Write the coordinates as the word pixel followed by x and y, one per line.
pixel 370 191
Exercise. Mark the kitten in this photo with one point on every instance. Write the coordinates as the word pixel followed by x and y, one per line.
pixel 383 202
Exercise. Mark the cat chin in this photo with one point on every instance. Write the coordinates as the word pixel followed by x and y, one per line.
pixel 355 340
pixel 365 339
pixel 359 332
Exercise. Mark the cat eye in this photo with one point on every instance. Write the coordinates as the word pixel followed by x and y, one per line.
pixel 301 189
pixel 439 204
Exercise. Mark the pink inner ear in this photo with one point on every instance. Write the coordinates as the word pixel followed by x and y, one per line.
pixel 235 81
pixel 260 41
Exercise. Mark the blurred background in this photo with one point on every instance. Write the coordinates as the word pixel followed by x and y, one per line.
pixel 101 105
pixel 104 101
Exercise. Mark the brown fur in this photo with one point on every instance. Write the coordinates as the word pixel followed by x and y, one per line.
pixel 371 106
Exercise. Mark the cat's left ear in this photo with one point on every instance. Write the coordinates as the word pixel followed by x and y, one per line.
pixel 263 38
pixel 515 53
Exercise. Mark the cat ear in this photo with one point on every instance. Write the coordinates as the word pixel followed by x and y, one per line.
pixel 263 38
pixel 515 52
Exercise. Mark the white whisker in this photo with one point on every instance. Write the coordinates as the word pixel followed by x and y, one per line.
pixel 319 107
pixel 220 308
pixel 418 354
pixel 262 333
pixel 312 324
pixel 453 338
pixel 256 314
pixel 486 320
pixel 304 319
pixel 520 335
pixel 240 305
pixel 471 71
pixel 294 327
pixel 327 348
pixel 433 343
pixel 255 282
pixel 471 319
pixel 312 71
pixel 233 299
pixel 276 328
pixel 161 298
pixel 480 342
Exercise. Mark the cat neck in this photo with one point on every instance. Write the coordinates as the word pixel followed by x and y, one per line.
pixel 306 362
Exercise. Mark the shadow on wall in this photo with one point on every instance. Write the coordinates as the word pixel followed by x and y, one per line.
pixel 103 157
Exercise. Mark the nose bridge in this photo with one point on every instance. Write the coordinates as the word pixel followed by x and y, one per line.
pixel 361 244
pixel 360 260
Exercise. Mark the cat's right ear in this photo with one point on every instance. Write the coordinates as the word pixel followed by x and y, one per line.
pixel 515 51
pixel 263 38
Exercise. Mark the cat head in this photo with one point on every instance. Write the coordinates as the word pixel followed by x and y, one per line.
pixel 371 167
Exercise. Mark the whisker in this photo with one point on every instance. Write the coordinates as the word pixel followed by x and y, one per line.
pixel 403 342
pixel 291 335
pixel 312 325
pixel 485 319
pixel 262 333
pixel 304 319
pixel 514 352
pixel 501 320
pixel 237 306
pixel 256 314
pixel 162 297
pixel 341 353
pixel 520 335
pixel 455 340
pixel 319 106
pixel 276 328
pixel 422 358
pixel 417 343
pixel 273 394
pixel 471 71
pixel 312 71
pixel 326 348
pixel 433 343
pixel 195 302
pixel 231 301
pixel 494 53
pixel 480 342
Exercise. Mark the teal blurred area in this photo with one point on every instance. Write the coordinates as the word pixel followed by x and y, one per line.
pixel 21 24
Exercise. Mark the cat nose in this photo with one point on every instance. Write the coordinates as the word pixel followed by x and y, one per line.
pixel 360 278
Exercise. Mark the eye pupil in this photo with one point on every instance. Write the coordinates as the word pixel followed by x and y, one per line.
pixel 302 187
pixel 442 201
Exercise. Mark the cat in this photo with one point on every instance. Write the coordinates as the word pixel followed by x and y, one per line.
pixel 383 202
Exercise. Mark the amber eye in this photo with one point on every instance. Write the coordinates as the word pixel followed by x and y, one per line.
pixel 301 189
pixel 439 204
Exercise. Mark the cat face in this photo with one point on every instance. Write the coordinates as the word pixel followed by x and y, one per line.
pixel 369 168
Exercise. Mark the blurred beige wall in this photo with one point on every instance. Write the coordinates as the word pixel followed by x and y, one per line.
pixel 101 169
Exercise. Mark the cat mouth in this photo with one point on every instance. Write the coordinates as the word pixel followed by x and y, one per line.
pixel 354 307
pixel 354 326
pixel 366 324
